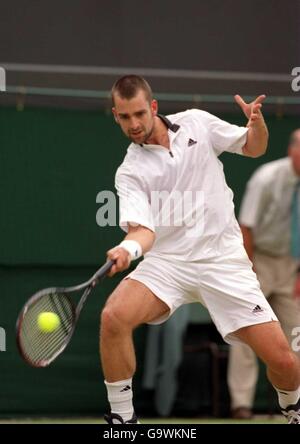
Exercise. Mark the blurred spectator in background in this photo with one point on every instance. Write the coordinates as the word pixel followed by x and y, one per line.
pixel 163 356
pixel 270 223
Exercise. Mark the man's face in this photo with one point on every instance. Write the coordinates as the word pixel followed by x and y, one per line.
pixel 294 151
pixel 135 116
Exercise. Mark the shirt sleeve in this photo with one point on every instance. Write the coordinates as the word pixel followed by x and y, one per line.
pixel 254 200
pixel 223 135
pixel 134 206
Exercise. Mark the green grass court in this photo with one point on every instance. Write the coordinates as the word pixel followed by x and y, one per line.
pixel 277 419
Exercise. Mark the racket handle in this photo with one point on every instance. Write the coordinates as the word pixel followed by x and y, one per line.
pixel 106 267
pixel 102 271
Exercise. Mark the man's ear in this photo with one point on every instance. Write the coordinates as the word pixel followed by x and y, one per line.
pixel 154 107
pixel 115 114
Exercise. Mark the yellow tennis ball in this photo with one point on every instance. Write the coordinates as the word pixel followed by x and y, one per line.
pixel 48 321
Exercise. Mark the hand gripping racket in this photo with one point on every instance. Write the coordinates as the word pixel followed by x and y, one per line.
pixel 39 348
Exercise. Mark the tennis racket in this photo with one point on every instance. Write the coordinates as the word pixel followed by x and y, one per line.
pixel 39 348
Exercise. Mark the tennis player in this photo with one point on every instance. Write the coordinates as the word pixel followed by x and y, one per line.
pixel 178 212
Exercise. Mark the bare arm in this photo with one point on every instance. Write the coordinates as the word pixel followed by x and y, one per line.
pixel 142 235
pixel 258 135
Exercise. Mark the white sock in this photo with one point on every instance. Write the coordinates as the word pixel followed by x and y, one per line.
pixel 120 398
pixel 287 397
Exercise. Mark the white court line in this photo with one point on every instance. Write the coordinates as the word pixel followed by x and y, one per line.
pixel 151 72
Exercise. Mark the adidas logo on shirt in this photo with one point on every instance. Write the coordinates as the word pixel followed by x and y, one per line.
pixel 191 142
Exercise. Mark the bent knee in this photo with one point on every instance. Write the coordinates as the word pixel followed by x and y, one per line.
pixel 285 361
pixel 114 320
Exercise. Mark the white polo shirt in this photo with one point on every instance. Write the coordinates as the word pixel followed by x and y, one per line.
pixel 181 194
pixel 266 206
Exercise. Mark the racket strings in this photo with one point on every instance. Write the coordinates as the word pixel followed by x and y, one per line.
pixel 38 346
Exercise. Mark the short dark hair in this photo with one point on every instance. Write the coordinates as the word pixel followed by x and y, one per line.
pixel 128 86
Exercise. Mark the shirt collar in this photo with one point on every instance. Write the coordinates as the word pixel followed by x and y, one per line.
pixel 171 126
pixel 294 178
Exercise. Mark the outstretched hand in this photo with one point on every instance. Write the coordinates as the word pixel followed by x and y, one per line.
pixel 251 110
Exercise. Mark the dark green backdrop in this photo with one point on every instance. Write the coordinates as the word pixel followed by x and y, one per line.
pixel 52 165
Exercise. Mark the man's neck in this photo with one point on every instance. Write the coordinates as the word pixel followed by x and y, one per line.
pixel 159 135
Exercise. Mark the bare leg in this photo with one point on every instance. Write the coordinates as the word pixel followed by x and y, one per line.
pixel 130 305
pixel 270 344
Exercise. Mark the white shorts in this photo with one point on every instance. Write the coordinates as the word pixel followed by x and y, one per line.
pixel 226 286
